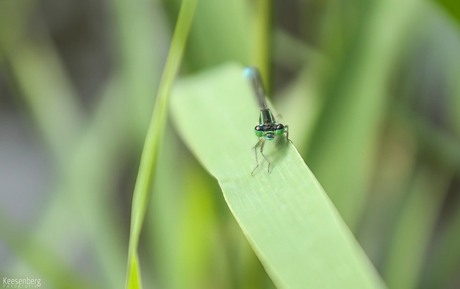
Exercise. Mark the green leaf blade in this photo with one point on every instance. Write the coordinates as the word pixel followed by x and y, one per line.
pixel 285 214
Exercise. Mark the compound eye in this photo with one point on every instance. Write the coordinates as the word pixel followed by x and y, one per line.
pixel 279 129
pixel 259 130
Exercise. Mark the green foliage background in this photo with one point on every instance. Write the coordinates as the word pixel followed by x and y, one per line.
pixel 369 88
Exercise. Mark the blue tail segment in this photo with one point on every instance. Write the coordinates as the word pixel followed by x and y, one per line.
pixel 250 72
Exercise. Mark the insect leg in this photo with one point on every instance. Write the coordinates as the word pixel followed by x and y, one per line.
pixel 259 143
pixel 265 157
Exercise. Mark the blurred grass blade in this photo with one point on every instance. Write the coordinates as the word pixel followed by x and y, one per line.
pixel 414 228
pixel 48 95
pixel 443 268
pixel 261 39
pixel 355 100
pixel 286 216
pixel 219 34
pixel 141 39
pixel 153 139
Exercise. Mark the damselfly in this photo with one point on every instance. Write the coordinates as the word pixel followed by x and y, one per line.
pixel 268 128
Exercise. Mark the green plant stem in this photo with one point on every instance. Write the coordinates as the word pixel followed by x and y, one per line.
pixel 153 139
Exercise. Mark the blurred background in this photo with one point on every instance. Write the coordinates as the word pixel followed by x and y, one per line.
pixel 370 89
